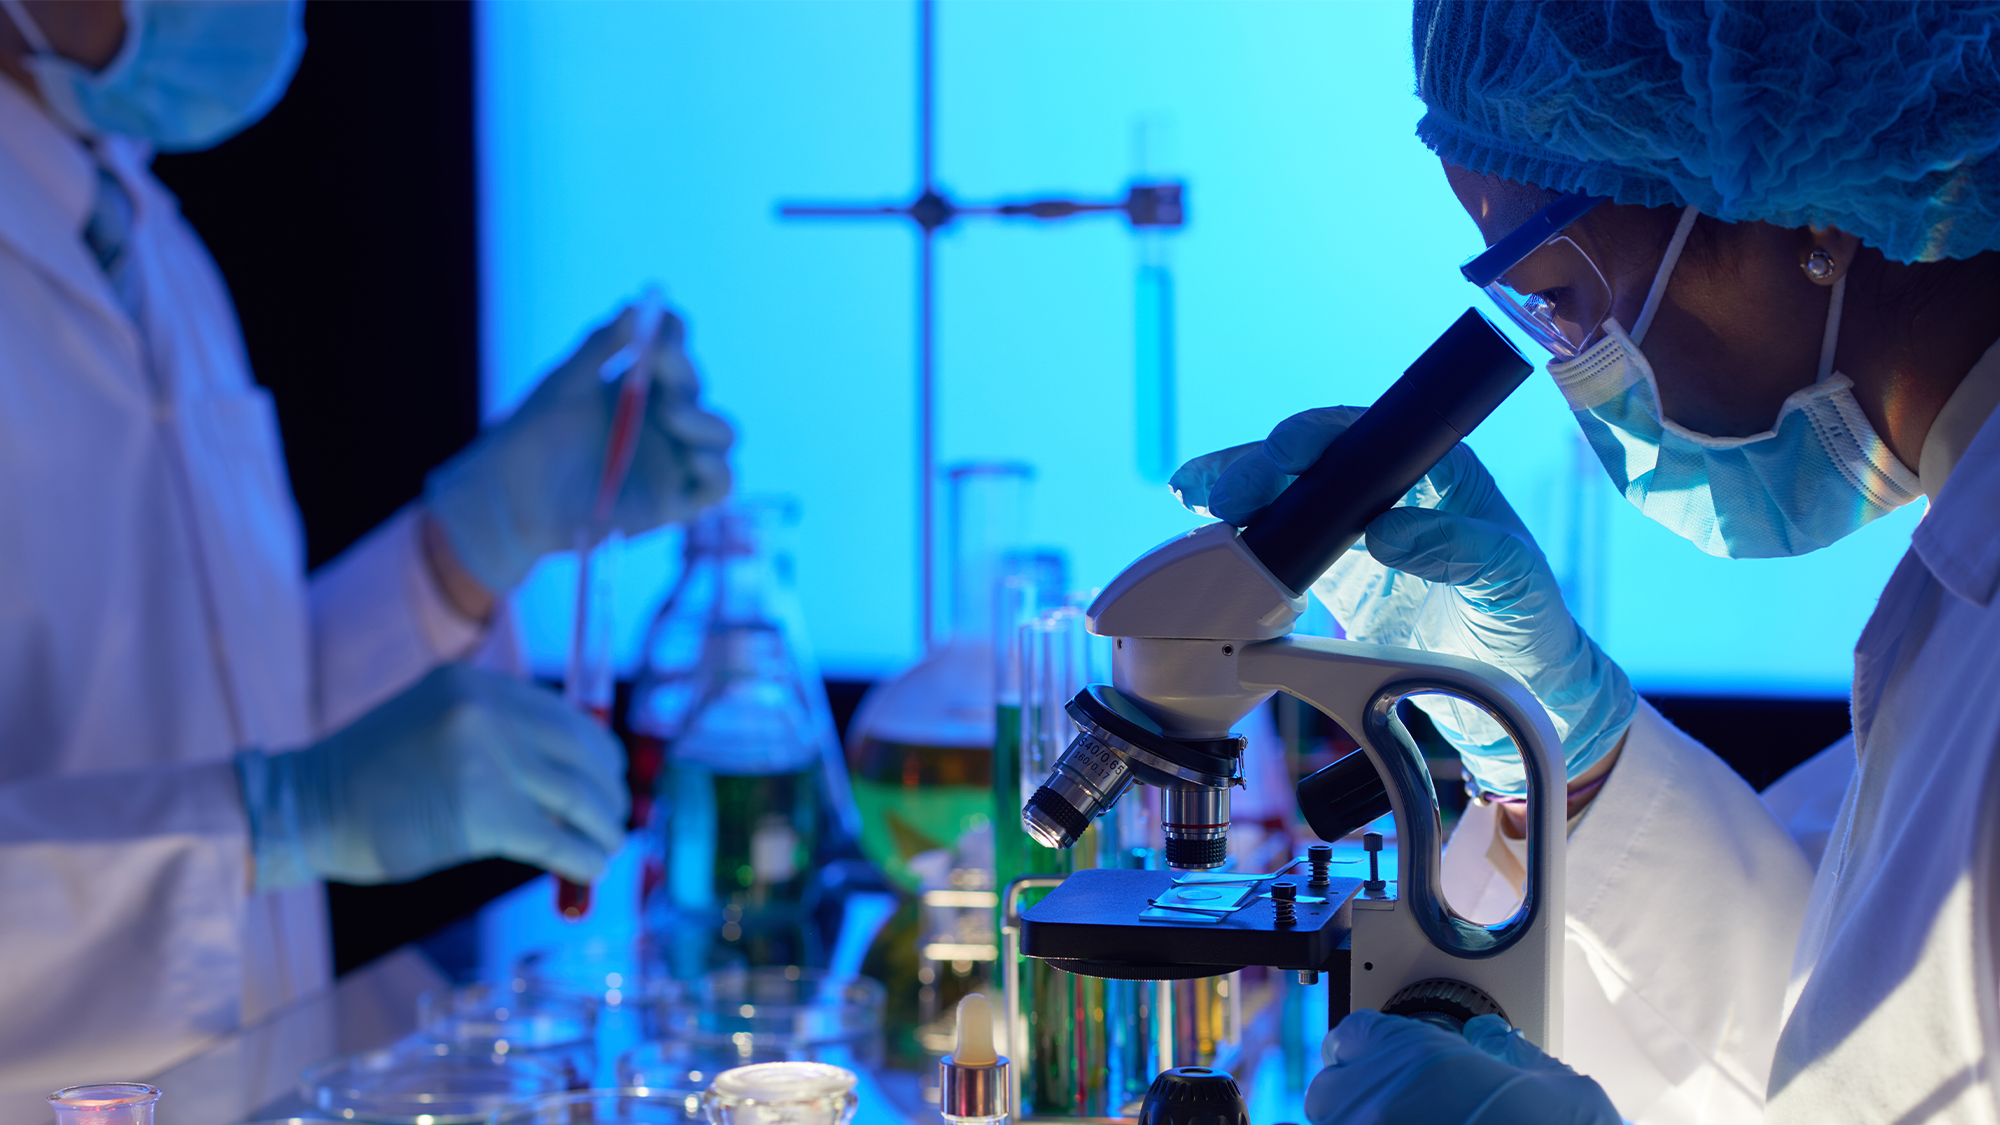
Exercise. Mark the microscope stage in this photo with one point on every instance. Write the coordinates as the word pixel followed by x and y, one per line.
pixel 1091 925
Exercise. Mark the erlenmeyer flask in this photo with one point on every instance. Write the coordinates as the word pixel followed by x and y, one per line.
pixel 752 788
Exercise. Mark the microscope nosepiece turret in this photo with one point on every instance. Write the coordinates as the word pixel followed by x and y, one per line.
pixel 1118 746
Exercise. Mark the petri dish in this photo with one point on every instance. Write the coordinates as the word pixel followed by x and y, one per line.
pixel 609 972
pixel 426 1084
pixel 555 1027
pixel 739 1017
pixel 695 1061
pixel 806 1007
pixel 625 1106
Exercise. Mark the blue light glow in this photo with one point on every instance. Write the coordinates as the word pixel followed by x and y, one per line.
pixel 625 142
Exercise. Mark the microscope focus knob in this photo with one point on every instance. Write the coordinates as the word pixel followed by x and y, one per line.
pixel 1194 1095
pixel 1196 855
pixel 1447 1003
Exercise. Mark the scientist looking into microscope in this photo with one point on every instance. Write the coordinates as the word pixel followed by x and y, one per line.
pixel 193 731
pixel 1761 249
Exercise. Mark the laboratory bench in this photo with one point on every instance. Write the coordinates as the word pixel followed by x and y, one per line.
pixel 252 1075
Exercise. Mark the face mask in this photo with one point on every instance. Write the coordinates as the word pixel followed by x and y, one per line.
pixel 191 74
pixel 1816 475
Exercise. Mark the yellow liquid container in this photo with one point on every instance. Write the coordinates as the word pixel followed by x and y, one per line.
pixel 920 753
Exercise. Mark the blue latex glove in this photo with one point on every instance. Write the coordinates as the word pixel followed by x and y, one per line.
pixel 526 485
pixel 1399 1071
pixel 1453 570
pixel 463 765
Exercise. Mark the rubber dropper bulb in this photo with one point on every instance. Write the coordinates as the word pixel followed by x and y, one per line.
pixel 975 1033
pixel 974 1083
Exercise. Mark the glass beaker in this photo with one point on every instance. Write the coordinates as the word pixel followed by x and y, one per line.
pixel 105 1103
pixel 920 749
pixel 1087 1046
pixel 556 1028
pixel 1083 1046
pixel 782 1093
pixel 1032 582
pixel 752 788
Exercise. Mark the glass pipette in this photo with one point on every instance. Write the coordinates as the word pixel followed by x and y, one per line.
pixel 588 686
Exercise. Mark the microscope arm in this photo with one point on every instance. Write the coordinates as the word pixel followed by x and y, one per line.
pixel 1413 935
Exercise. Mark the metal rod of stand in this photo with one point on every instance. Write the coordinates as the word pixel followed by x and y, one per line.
pixel 926 328
pixel 1010 973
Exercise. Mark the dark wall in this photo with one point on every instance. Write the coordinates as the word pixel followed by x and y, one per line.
pixel 346 226
pixel 1761 738
pixel 345 223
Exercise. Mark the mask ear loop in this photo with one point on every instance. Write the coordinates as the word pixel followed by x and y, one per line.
pixel 1829 342
pixel 26 25
pixel 1660 276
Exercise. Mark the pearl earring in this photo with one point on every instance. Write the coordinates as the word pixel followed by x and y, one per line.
pixel 1819 265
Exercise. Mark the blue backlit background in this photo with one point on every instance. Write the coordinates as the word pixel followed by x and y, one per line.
pixel 625 142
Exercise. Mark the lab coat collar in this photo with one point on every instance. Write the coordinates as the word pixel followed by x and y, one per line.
pixel 1958 422
pixel 1959 538
pixel 48 185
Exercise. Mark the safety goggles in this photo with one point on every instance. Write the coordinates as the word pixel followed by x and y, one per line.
pixel 1544 281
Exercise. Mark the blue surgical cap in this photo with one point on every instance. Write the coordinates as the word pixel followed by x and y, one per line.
pixel 1881 119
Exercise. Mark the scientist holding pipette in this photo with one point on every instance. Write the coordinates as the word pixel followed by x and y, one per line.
pixel 193 731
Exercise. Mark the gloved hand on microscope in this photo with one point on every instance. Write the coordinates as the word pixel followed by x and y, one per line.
pixel 1451 570
pixel 1397 1071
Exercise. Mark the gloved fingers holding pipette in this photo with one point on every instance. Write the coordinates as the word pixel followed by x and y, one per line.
pixel 528 484
pixel 1452 570
pixel 463 765
pixel 681 462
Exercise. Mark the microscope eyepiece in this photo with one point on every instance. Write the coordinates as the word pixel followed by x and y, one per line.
pixel 1118 745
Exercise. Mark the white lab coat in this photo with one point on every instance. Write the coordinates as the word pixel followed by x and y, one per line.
pixel 1684 891
pixel 155 616
pixel 1685 899
pixel 1893 1009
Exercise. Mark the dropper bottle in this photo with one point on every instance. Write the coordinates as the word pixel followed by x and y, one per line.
pixel 974 1080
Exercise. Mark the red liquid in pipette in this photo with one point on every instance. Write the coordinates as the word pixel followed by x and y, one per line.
pixel 573 899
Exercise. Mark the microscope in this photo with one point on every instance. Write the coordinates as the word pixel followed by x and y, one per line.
pixel 1201 632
